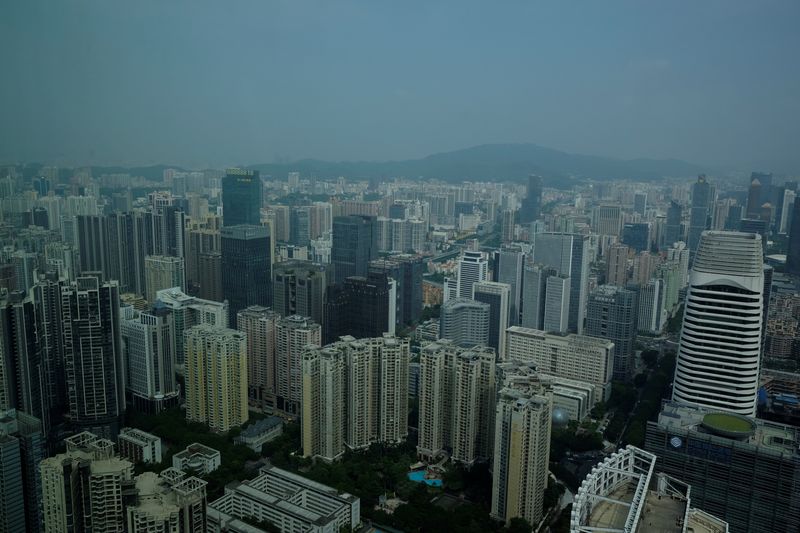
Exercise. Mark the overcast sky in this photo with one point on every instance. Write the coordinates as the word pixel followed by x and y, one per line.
pixel 231 82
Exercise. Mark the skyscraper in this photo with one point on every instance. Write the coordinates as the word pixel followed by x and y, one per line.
pixel 521 448
pixel 473 267
pixel 569 255
pixel 95 373
pixel 556 304
pixel 292 335
pixel 241 197
pixel 406 270
pixel 617 265
pixel 672 229
pixel 640 202
pixel 497 296
pixel 508 269
pixel 465 322
pixel 299 288
pixel 637 236
pixel 354 245
pixel 216 377
pixel 258 324
pixel 702 198
pixel 612 315
pixel 246 267
pixel 607 220
pixel 720 346
pixel 532 204
pixel 21 450
pixel 793 253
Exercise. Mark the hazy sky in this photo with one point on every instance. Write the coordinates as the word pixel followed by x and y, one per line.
pixel 226 82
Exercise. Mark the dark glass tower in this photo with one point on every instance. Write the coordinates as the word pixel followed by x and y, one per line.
pixel 702 195
pixel 612 316
pixel 637 236
pixel 355 244
pixel 532 204
pixel 246 267
pixel 241 197
pixel 672 229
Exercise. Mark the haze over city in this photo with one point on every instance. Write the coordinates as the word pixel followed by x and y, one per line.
pixel 210 84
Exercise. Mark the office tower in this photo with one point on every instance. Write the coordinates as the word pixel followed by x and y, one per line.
pixel 299 288
pixel 720 346
pixel 507 226
pixel 672 230
pixel 289 499
pixel 793 253
pixel 95 372
pixel 246 267
pixel 652 314
pixel 148 345
pixel 210 276
pixel 465 322
pixel 637 236
pixel 203 241
pixel 292 335
pixel 755 225
pixel 258 325
pixel 85 488
pixel 569 255
pixel 532 204
pixel 507 268
pixel 521 448
pixel 354 245
pixel 355 394
pixel 741 469
pixel 534 294
pixel 216 377
pixel 299 226
pixel 170 501
pixel 189 311
pixel 375 299
pixel 576 357
pixel 640 202
pixel 163 272
pixel 784 220
pixel 607 220
pixel 702 197
pixel 625 492
pixel 456 402
pixel 759 193
pixel 556 305
pixel 617 265
pixel 21 450
pixel 473 267
pixel 449 289
pixel 497 296
pixel 241 197
pixel 406 270
pixel 612 315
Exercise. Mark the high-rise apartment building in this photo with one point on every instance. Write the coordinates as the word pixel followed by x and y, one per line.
pixel 720 347
pixel 355 393
pixel 148 344
pixel 456 402
pixel 354 245
pixel 163 272
pixel 216 377
pixel 617 265
pixel 473 267
pixel 241 197
pixel 576 357
pixel 521 448
pixel 258 324
pixel 569 254
pixel 299 288
pixel 497 296
pixel 612 315
pixel 246 267
pixel 465 322
pixel 95 372
pixel 292 335
pixel 607 220
pixel 21 450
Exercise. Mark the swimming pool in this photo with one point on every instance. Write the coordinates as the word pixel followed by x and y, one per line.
pixel 419 477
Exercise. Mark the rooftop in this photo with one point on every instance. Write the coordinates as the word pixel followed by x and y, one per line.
pixel 259 427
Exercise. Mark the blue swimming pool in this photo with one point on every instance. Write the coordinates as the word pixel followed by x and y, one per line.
pixel 419 477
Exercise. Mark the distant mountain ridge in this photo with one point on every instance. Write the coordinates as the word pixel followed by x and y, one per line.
pixel 493 162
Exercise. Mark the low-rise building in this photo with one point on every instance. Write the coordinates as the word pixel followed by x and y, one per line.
pixel 286 500
pixel 256 435
pixel 139 446
pixel 198 459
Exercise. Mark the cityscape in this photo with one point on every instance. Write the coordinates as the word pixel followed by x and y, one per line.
pixel 492 337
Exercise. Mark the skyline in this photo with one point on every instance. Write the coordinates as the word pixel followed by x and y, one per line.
pixel 108 83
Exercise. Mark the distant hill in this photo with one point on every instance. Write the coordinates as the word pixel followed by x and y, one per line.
pixel 492 162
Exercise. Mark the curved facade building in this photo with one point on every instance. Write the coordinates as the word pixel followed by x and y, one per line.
pixel 720 345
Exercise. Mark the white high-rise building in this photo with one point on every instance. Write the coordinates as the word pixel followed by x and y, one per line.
pixel 465 322
pixel 473 267
pixel 720 346
pixel 556 304
pixel 190 311
pixel 497 295
pixel 521 447
pixel 652 314
pixel 786 212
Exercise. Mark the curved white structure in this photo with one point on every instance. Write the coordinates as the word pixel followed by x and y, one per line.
pixel 720 345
